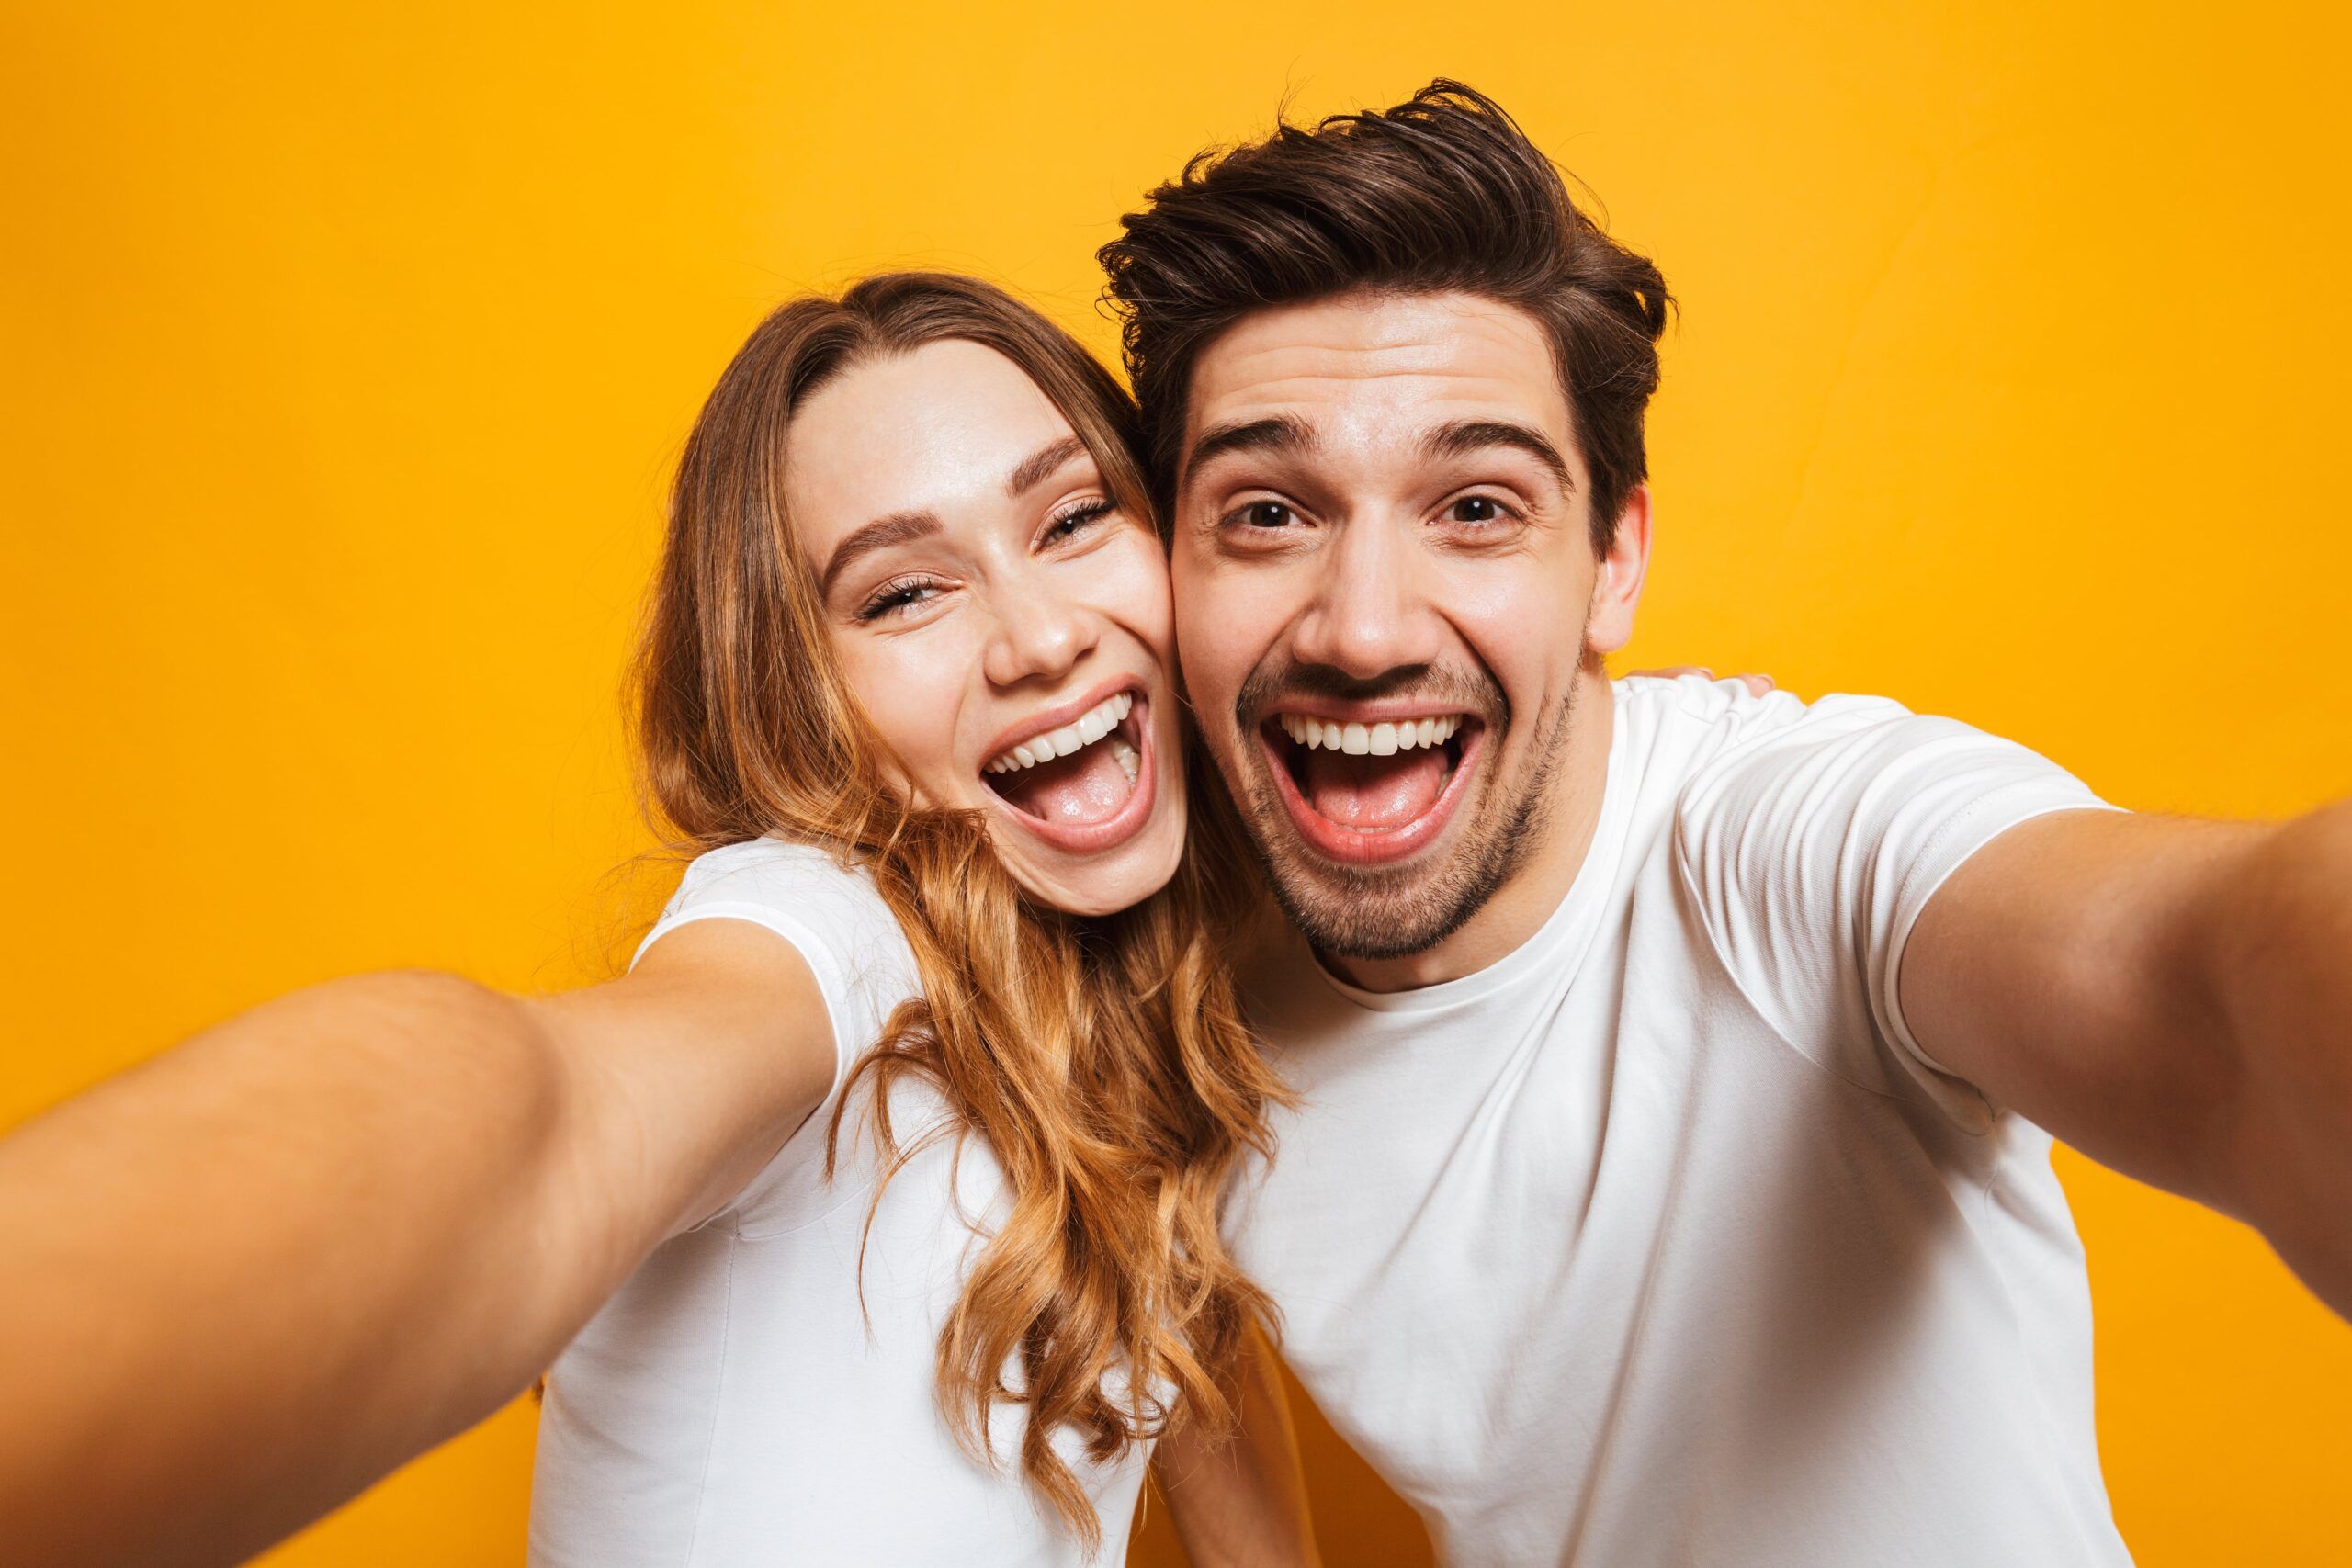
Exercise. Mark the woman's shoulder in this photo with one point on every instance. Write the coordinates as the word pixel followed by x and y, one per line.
pixel 762 864
pixel 816 896
pixel 827 907
pixel 790 877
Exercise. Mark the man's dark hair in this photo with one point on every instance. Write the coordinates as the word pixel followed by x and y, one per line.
pixel 1443 192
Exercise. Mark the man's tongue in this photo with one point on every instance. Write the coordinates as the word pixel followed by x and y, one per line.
pixel 1372 792
pixel 1078 790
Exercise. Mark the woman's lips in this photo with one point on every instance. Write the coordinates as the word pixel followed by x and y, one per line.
pixel 1387 785
pixel 1069 831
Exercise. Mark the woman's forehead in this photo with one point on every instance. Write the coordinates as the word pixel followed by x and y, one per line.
pixel 937 429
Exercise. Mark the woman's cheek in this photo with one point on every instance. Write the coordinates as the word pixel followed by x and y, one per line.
pixel 911 699
pixel 1136 590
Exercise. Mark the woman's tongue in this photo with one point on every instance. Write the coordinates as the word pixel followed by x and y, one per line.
pixel 1086 788
pixel 1368 792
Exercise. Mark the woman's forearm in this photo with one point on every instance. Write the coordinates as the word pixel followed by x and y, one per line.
pixel 1240 1500
pixel 241 1281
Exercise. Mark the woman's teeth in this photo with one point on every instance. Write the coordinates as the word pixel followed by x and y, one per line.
pixel 1085 730
pixel 1373 739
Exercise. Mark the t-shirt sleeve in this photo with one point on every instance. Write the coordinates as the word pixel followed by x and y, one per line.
pixel 1810 852
pixel 843 930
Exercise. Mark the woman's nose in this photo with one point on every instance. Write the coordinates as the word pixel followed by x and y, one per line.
pixel 1039 637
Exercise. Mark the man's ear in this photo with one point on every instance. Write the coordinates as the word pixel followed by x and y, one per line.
pixel 1617 588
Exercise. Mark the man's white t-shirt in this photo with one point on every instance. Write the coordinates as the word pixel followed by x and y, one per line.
pixel 1660 1241
pixel 738 1403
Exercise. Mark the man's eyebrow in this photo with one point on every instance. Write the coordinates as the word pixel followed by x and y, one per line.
pixel 1477 435
pixel 898 528
pixel 1282 432
pixel 1040 465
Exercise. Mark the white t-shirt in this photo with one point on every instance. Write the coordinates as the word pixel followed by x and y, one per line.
pixel 1659 1241
pixel 733 1404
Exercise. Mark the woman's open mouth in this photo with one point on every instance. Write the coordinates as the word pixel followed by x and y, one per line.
pixel 1372 788
pixel 1079 776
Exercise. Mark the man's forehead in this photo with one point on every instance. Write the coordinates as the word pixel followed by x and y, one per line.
pixel 1379 365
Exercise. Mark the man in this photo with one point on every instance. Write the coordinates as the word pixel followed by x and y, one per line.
pixel 1637 885
pixel 1679 1066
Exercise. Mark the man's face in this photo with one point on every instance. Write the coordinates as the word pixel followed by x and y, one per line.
pixel 1385 589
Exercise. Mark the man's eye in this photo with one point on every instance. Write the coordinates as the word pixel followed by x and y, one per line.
pixel 1478 509
pixel 1265 514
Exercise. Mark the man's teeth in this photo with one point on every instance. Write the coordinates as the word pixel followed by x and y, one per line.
pixel 1376 739
pixel 1089 727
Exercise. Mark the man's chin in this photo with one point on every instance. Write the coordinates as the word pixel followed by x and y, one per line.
pixel 1374 911
pixel 1404 906
pixel 1378 907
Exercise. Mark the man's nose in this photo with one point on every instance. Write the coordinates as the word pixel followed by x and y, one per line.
pixel 1369 614
pixel 1039 635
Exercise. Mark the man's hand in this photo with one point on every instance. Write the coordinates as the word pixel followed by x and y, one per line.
pixel 1240 1501
pixel 1757 684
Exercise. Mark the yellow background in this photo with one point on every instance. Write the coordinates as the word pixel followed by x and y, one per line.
pixel 343 353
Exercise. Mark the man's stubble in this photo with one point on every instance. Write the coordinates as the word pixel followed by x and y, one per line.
pixel 1372 914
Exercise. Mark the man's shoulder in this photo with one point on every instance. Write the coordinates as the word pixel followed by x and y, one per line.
pixel 1782 804
pixel 1745 785
pixel 1689 733
pixel 1687 705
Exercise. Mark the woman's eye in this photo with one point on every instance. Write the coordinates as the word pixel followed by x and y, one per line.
pixel 1265 514
pixel 898 598
pixel 1478 509
pixel 1077 521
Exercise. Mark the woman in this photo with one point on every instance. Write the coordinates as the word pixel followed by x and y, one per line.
pixel 920 1096
pixel 906 686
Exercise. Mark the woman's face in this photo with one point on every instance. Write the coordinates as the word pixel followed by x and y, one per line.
pixel 1004 622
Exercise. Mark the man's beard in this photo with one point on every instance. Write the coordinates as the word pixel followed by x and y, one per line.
pixel 1378 912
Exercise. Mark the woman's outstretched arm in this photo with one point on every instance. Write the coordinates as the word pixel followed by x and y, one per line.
pixel 243 1281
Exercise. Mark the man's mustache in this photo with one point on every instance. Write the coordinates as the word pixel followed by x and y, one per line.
pixel 1473 692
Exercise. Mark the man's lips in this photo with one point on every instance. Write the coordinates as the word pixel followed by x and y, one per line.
pixel 1374 784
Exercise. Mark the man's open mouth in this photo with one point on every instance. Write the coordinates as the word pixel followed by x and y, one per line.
pixel 1373 787
pixel 1081 780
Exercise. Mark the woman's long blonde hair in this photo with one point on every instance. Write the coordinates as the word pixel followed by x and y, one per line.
pixel 1104 1061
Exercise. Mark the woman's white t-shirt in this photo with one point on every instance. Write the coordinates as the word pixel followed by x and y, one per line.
pixel 738 1402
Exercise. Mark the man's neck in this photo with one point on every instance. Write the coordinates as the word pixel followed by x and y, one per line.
pixel 1521 905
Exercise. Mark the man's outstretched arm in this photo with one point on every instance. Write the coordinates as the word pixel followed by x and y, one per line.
pixel 2172 997
pixel 241 1282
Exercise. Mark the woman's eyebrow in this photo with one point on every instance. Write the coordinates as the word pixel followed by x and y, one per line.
pixel 898 528
pixel 1040 465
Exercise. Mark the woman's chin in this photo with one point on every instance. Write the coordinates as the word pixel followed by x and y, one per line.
pixel 1104 882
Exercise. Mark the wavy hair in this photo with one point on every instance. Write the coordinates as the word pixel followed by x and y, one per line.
pixel 1104 1061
